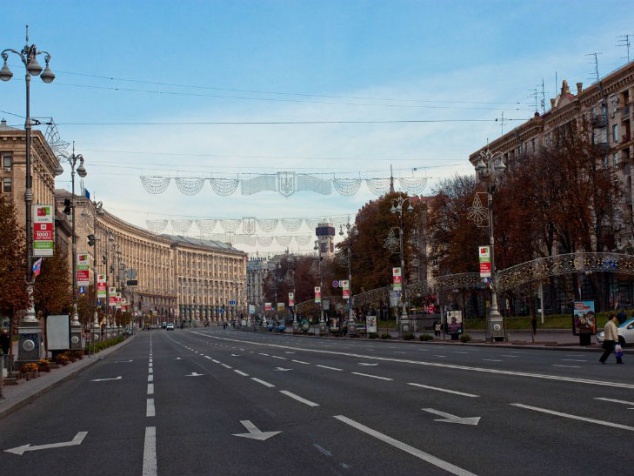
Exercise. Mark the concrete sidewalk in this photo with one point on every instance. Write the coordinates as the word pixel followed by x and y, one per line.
pixel 17 396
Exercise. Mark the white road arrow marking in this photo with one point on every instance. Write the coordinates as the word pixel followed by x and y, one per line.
pixel 449 418
pixel 106 379
pixel 254 432
pixel 194 374
pixel 282 369
pixel 235 355
pixel 20 450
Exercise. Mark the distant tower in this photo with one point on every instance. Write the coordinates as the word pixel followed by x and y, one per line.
pixel 325 238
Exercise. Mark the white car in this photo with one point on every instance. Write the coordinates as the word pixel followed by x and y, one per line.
pixel 169 326
pixel 626 333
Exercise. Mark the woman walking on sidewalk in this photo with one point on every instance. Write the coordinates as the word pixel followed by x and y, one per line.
pixel 611 338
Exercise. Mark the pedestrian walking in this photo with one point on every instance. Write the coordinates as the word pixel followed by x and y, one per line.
pixel 437 327
pixel 5 347
pixel 611 338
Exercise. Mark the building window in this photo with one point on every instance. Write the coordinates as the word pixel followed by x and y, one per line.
pixel 615 133
pixel 615 159
pixel 7 185
pixel 7 159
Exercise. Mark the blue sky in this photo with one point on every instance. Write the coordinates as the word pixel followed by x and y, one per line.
pixel 321 87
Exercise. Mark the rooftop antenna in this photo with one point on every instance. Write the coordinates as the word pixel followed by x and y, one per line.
pixel 624 40
pixel 535 96
pixel 391 180
pixel 596 65
pixel 543 102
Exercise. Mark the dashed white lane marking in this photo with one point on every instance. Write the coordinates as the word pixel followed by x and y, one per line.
pixel 150 409
pixel 299 399
pixel 150 389
pixel 329 368
pixel 445 390
pixel 373 376
pixel 263 382
pixel 149 452
pixel 150 378
pixel 240 372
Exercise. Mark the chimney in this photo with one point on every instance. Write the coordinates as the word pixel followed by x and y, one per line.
pixel 579 88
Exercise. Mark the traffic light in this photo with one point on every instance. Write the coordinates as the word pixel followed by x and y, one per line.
pixel 91 240
pixel 67 206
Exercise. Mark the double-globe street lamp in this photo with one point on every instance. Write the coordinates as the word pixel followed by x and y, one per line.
pixel 29 345
pixel 397 207
pixel 489 168
pixel 351 231
pixel 322 322
pixel 75 325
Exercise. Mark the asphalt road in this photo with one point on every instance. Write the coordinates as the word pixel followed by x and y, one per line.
pixel 224 402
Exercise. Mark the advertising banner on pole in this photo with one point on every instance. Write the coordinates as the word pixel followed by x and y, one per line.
pixel 397 279
pixel 83 269
pixel 43 230
pixel 291 299
pixel 101 286
pixel 317 294
pixel 112 296
pixel 484 254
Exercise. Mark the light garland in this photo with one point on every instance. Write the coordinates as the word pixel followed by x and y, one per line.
pixel 284 183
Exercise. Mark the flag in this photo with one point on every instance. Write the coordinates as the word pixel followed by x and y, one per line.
pixel 87 193
pixel 37 267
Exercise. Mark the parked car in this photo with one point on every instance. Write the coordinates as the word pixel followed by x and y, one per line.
pixel 169 326
pixel 626 333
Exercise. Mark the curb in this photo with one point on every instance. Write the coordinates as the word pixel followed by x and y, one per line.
pixel 10 404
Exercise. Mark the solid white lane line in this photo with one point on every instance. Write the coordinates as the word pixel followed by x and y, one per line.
pixel 494 371
pixel 373 376
pixel 263 382
pixel 149 452
pixel 329 368
pixel 438 389
pixel 624 402
pixel 150 409
pixel 299 399
pixel 444 465
pixel 574 417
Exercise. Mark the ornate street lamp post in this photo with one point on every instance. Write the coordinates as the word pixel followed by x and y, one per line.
pixel 397 207
pixel 489 168
pixel 322 322
pixel 29 330
pixel 75 325
pixel 351 231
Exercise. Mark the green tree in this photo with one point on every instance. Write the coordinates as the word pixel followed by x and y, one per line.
pixel 13 294
pixel 453 237
pixel 52 291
